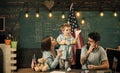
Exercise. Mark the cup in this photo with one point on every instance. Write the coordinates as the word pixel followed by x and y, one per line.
pixel 13 44
pixel 7 41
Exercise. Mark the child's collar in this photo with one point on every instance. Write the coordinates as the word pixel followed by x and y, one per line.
pixel 67 36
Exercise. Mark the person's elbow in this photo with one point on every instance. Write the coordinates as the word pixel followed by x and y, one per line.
pixel 107 65
pixel 81 62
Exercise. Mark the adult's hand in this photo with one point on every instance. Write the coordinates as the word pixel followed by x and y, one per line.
pixel 91 67
pixel 59 53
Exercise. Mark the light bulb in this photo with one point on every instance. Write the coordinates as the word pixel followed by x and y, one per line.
pixel 83 21
pixel 37 15
pixel 77 13
pixel 102 13
pixel 115 14
pixel 63 16
pixel 50 14
pixel 26 15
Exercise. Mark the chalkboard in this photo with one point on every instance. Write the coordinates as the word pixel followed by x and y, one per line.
pixel 108 26
pixel 33 29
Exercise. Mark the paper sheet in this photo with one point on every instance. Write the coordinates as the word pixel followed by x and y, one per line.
pixel 57 72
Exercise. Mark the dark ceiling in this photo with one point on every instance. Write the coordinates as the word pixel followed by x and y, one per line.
pixel 57 5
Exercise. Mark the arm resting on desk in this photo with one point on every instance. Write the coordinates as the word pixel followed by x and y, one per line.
pixel 104 65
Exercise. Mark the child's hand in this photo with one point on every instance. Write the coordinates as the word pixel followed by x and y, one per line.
pixel 62 42
pixel 77 32
pixel 67 43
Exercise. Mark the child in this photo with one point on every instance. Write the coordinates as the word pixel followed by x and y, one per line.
pixel 66 41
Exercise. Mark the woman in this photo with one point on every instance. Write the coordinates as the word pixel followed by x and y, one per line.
pixel 48 50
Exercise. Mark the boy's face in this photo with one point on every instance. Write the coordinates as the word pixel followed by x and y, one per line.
pixel 66 31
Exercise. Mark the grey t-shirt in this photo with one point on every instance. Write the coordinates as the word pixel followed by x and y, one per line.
pixel 95 57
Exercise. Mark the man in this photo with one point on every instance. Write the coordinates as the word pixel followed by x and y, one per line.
pixel 93 56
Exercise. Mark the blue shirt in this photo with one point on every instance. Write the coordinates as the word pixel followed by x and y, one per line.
pixel 66 49
pixel 52 63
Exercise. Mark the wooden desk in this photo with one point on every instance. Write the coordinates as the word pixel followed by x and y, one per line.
pixel 82 71
pixel 29 70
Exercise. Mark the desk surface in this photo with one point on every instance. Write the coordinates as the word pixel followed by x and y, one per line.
pixel 29 70
pixel 82 71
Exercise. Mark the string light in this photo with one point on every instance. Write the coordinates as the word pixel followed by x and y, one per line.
pixel 26 14
pixel 50 14
pixel 101 13
pixel 63 16
pixel 83 21
pixel 37 14
pixel 77 14
pixel 27 9
pixel 115 13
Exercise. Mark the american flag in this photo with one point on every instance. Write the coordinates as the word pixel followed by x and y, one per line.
pixel 33 63
pixel 74 25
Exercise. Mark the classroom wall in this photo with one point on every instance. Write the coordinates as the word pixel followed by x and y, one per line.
pixel 34 29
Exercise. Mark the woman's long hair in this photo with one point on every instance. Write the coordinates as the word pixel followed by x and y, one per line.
pixel 46 43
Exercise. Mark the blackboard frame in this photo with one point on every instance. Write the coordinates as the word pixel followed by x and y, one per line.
pixel 2 23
